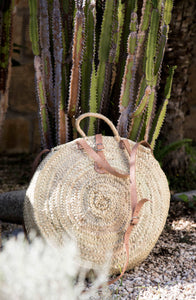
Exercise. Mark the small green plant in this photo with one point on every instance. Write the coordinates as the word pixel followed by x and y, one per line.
pixel 100 56
pixel 161 152
pixel 184 198
pixel 191 203
pixel 121 280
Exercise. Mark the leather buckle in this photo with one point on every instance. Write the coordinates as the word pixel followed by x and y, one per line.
pixel 97 149
pixel 132 220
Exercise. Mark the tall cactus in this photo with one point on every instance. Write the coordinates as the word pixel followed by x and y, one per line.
pixel 126 97
pixel 33 26
pixel 105 43
pixel 77 56
pixel 100 56
pixel 42 101
pixel 88 55
pixel 58 58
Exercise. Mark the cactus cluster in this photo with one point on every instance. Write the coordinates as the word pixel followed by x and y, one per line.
pixel 100 56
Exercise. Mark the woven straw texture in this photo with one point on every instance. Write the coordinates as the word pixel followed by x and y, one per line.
pixel 67 196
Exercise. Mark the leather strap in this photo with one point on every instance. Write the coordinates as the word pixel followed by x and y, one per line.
pixel 133 222
pixel 99 150
pixel 98 159
pixel 133 153
pixel 136 206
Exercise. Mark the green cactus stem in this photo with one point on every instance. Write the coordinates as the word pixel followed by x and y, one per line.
pixel 126 96
pixel 117 34
pixel 130 6
pixel 89 54
pixel 136 126
pixel 67 15
pixel 168 11
pixel 143 27
pixel 119 30
pixel 109 65
pixel 149 118
pixel 104 47
pixel 33 26
pixel 151 46
pixel 168 86
pixel 78 43
pixel 141 106
pixel 160 50
pixel 44 35
pixel 58 52
pixel 67 12
pixel 93 101
pixel 137 121
pixel 159 123
pixel 130 65
pixel 43 113
pixel 156 63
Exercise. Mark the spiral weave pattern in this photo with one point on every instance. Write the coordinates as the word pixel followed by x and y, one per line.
pixel 67 196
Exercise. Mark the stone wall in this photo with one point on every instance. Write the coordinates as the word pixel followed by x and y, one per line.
pixel 181 113
pixel 190 118
pixel 20 130
pixel 181 51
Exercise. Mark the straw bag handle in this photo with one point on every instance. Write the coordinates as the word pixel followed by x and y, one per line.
pixel 99 116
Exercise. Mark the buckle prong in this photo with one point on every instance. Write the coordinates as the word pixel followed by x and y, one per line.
pixel 96 147
pixel 133 219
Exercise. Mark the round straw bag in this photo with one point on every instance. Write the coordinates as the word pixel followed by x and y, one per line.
pixel 107 193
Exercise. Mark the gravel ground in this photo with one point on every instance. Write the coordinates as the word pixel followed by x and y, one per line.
pixel 169 272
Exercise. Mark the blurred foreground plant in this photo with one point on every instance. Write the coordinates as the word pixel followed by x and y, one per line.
pixel 41 271
pixel 100 56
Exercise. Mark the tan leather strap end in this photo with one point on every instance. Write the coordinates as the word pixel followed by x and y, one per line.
pixel 133 222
